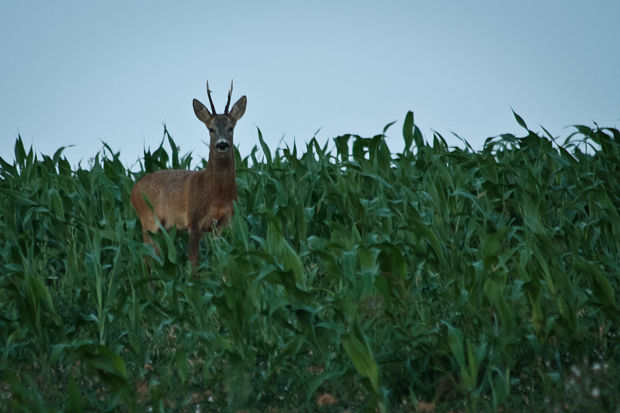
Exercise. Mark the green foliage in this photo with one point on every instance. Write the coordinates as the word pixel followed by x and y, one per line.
pixel 360 280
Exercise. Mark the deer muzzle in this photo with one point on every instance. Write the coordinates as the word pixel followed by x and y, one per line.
pixel 222 145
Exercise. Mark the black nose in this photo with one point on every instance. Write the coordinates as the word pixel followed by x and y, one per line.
pixel 222 146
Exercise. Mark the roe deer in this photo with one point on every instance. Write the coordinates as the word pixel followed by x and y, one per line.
pixel 198 201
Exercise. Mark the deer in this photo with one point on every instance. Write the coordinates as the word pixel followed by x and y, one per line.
pixel 197 201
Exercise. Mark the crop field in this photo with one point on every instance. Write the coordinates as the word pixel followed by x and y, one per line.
pixel 351 279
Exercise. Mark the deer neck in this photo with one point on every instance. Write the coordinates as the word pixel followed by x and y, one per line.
pixel 221 178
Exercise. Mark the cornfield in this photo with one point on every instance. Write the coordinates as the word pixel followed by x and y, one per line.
pixel 351 279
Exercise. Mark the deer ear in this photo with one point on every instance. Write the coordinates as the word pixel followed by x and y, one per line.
pixel 202 112
pixel 238 109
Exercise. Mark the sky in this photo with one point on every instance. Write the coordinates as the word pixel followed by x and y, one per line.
pixel 86 72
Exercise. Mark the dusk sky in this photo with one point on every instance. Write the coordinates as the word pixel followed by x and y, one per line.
pixel 85 72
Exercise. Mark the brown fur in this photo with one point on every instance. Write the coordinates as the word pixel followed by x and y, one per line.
pixel 199 201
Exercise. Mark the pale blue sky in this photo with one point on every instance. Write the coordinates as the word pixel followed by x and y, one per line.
pixel 82 72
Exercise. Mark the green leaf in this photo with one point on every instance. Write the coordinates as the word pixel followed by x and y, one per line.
pixel 386 127
pixel 264 146
pixel 102 358
pixel 520 120
pixel 281 249
pixel 320 379
pixel 74 398
pixel 20 152
pixel 180 361
pixel 455 343
pixel 601 286
pixel 342 147
pixel 492 246
pixel 175 151
pixel 357 349
pixel 408 131
pixel 57 204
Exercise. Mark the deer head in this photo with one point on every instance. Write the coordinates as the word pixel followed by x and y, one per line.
pixel 220 126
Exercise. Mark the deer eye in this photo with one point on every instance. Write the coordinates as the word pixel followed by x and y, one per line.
pixel 212 130
pixel 230 129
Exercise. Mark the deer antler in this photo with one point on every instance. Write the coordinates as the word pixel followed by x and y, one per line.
pixel 210 100
pixel 228 102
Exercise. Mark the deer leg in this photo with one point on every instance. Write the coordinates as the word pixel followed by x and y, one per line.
pixel 195 235
pixel 147 240
pixel 216 229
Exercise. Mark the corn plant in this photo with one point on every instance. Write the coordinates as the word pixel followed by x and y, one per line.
pixel 350 279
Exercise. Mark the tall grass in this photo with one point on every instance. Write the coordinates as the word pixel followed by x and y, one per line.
pixel 435 278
